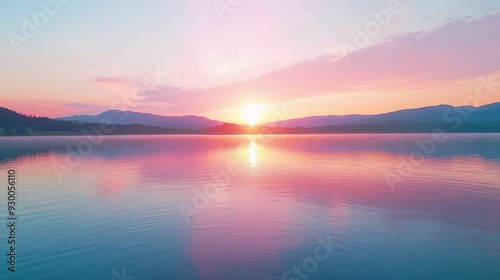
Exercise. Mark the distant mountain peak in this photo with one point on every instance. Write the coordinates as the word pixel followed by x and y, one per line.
pixel 131 117
pixel 430 114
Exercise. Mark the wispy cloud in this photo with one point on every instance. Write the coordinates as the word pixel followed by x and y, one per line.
pixel 117 82
pixel 458 51
pixel 86 106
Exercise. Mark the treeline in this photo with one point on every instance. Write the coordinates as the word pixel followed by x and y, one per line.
pixel 13 123
pixel 401 127
pixel 385 127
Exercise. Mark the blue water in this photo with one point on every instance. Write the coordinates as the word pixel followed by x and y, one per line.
pixel 254 207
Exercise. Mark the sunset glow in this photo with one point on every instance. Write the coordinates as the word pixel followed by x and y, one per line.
pixel 189 58
pixel 253 114
pixel 257 139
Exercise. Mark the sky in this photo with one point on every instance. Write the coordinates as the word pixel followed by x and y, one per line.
pixel 225 58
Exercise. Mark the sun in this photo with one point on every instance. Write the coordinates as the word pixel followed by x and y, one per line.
pixel 253 114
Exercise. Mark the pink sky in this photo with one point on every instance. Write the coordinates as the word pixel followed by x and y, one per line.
pixel 299 60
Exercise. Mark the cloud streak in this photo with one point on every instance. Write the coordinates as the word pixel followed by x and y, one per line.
pixel 117 82
pixel 460 50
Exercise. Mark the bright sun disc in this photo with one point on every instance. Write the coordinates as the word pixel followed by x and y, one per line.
pixel 253 114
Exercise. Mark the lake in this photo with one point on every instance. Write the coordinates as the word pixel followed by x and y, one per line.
pixel 413 206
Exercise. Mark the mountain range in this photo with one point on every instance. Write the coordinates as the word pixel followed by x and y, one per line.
pixel 129 117
pixel 421 120
pixel 431 114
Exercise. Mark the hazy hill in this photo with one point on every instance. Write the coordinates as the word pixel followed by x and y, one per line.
pixel 13 123
pixel 129 117
pixel 432 114
pixel 422 120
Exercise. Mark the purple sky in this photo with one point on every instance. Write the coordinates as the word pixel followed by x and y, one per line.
pixel 216 59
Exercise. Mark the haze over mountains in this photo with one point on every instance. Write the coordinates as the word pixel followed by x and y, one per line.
pixel 433 114
pixel 129 117
pixel 464 119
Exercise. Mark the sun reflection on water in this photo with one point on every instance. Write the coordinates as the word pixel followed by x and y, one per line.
pixel 253 154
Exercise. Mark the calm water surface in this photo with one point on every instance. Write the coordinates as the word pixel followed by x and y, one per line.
pixel 248 207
